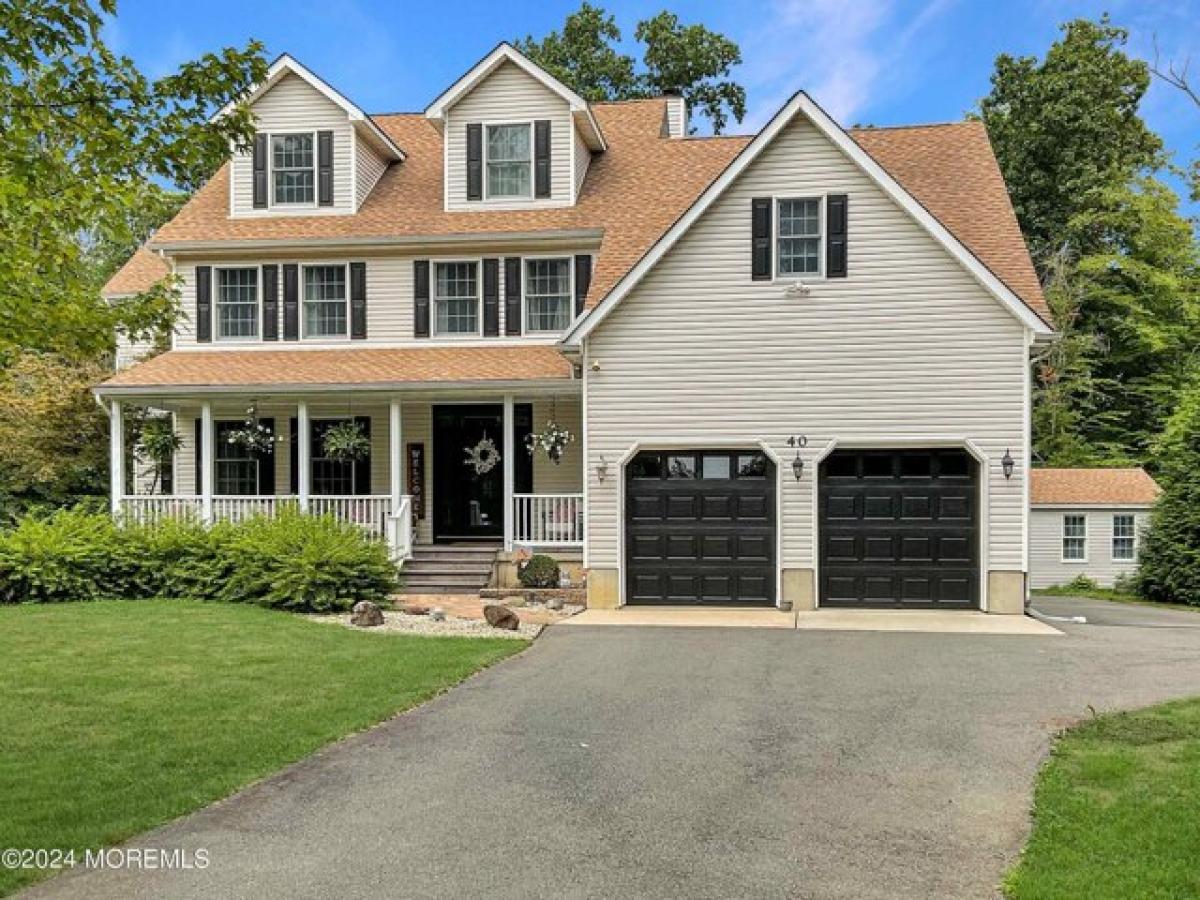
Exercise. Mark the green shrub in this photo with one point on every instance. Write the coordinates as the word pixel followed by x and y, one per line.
pixel 1082 584
pixel 64 556
pixel 540 571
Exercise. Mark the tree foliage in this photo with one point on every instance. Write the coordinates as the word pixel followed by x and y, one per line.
pixel 87 140
pixel 689 60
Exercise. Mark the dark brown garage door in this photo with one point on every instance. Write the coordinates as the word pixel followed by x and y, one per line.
pixel 700 528
pixel 899 528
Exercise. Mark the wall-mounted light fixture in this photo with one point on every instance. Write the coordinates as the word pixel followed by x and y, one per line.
pixel 1007 463
pixel 602 468
pixel 798 441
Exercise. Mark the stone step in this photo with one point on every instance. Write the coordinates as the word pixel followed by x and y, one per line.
pixel 483 571
pixel 416 583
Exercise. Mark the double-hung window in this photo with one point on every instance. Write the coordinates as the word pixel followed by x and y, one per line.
pixel 547 294
pixel 237 303
pixel 330 476
pixel 1074 541
pixel 293 166
pixel 456 297
pixel 1123 537
pixel 799 248
pixel 235 472
pixel 325 301
pixel 509 150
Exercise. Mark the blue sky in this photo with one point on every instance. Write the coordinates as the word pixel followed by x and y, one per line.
pixel 882 62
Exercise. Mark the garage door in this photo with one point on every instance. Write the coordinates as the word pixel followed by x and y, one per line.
pixel 899 528
pixel 700 527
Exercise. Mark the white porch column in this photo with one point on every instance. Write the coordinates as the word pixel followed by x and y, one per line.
pixel 506 456
pixel 303 452
pixel 208 452
pixel 395 454
pixel 116 455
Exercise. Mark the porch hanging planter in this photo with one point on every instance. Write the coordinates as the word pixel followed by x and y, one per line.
pixel 253 435
pixel 551 440
pixel 345 442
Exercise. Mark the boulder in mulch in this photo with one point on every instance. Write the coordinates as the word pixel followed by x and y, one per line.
pixel 366 614
pixel 414 609
pixel 437 614
pixel 501 617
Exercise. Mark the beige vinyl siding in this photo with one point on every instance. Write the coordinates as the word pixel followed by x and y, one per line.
pixel 583 159
pixel 907 348
pixel 130 351
pixel 293 105
pixel 676 116
pixel 1046 564
pixel 509 95
pixel 565 477
pixel 369 168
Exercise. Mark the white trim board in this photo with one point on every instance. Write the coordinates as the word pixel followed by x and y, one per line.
pixel 801 103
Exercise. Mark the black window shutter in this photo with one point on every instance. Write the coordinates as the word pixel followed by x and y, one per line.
pixel 325 168
pixel 491 297
pixel 362 467
pixel 583 280
pixel 198 457
pixel 836 220
pixel 421 297
pixel 512 295
pixel 293 456
pixel 358 300
pixel 266 464
pixel 203 304
pixel 474 161
pixel 270 306
pixel 260 171
pixel 291 302
pixel 541 158
pixel 760 233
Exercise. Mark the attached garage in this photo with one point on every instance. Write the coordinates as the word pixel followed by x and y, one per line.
pixel 899 528
pixel 700 528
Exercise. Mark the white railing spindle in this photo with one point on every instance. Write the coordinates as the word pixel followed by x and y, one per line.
pixel 548 520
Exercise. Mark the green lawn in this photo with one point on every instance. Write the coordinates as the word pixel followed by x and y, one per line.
pixel 119 716
pixel 1117 810
pixel 1101 593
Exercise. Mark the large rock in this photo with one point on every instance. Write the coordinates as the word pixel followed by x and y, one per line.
pixel 366 614
pixel 501 617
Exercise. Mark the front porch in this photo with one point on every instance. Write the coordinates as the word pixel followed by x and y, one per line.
pixel 417 484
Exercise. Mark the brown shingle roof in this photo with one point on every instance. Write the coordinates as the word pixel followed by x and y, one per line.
pixel 141 271
pixel 281 368
pixel 1092 487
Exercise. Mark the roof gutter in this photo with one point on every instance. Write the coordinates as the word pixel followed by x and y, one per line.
pixel 188 391
pixel 568 235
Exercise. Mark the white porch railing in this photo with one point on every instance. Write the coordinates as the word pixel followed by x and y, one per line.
pixel 149 509
pixel 239 507
pixel 400 530
pixel 369 512
pixel 548 519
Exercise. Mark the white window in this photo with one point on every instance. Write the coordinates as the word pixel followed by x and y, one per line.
pixel 237 303
pixel 1123 537
pixel 799 244
pixel 325 301
pixel 509 155
pixel 293 167
pixel 1074 540
pixel 456 298
pixel 236 470
pixel 547 294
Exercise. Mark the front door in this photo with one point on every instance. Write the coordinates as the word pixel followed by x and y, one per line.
pixel 468 480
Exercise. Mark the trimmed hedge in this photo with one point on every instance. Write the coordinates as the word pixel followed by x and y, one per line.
pixel 295 562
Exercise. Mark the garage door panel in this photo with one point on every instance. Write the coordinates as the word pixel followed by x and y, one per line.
pixel 646 508
pixel 716 506
pixel 716 547
pixel 647 546
pixel 682 546
pixel 682 506
pixel 899 528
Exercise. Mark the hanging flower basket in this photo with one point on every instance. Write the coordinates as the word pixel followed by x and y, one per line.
pixel 551 440
pixel 483 457
pixel 253 435
pixel 345 442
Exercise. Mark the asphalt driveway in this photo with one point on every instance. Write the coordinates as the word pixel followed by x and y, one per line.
pixel 662 762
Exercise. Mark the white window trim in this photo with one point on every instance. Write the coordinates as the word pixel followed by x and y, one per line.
pixel 1133 539
pixel 1062 544
pixel 570 258
pixel 301 327
pixel 216 301
pixel 510 198
pixel 433 298
pixel 819 275
pixel 272 203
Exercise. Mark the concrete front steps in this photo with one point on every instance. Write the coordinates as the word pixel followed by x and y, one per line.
pixel 449 568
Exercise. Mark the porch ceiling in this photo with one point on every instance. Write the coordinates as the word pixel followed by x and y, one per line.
pixel 302 370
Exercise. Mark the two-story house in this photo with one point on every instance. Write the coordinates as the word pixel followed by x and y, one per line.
pixel 793 365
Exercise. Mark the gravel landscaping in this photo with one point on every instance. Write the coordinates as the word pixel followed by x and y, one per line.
pixel 402 623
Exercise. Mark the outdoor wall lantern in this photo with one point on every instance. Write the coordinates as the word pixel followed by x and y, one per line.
pixel 1007 463
pixel 798 441
pixel 602 468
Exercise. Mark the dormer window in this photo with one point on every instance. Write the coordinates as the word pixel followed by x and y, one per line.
pixel 293 165
pixel 509 160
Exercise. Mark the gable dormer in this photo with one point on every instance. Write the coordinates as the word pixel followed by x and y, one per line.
pixel 314 153
pixel 514 137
